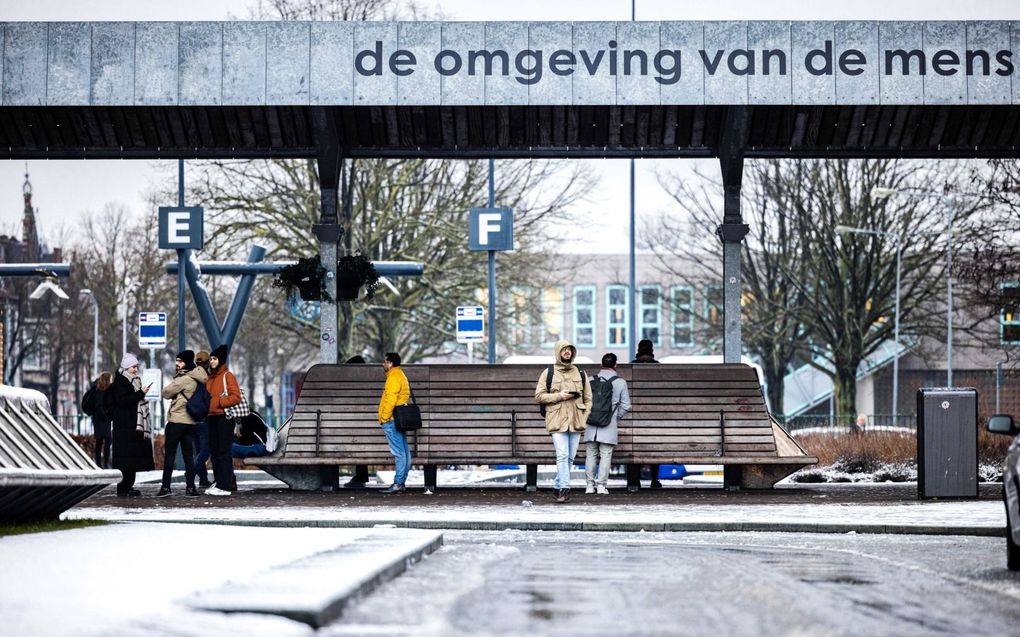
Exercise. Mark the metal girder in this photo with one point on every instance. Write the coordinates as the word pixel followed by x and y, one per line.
pixel 382 268
pixel 50 270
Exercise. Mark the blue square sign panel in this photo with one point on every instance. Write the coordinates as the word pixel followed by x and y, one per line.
pixel 181 228
pixel 470 324
pixel 490 229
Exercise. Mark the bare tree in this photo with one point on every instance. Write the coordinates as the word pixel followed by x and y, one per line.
pixel 407 209
pixel 810 292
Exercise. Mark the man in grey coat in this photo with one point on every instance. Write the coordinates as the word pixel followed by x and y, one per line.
pixel 600 441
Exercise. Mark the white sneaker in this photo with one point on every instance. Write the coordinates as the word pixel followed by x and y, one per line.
pixel 601 490
pixel 216 491
pixel 590 489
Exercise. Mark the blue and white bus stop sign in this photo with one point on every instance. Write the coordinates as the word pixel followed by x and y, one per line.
pixel 470 324
pixel 152 330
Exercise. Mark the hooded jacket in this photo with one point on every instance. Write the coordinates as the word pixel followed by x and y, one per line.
pixel 564 415
pixel 179 391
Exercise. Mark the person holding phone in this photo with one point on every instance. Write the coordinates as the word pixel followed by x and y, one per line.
pixel 566 401
pixel 132 433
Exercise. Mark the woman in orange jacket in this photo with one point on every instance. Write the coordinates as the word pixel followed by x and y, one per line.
pixel 223 392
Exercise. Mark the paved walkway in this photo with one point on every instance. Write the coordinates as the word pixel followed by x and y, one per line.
pixel 822 508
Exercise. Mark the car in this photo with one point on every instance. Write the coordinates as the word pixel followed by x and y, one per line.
pixel 1003 424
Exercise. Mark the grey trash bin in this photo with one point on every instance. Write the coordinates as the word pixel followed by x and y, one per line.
pixel 947 442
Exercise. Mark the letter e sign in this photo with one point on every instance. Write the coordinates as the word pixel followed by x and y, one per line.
pixel 181 228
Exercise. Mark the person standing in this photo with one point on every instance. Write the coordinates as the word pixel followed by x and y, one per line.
pixel 565 398
pixel 132 437
pixel 102 425
pixel 645 354
pixel 601 440
pixel 202 431
pixel 223 392
pixel 397 391
pixel 180 430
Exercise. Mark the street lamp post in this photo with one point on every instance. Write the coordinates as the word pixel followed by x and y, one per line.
pixel 896 320
pixel 949 201
pixel 95 330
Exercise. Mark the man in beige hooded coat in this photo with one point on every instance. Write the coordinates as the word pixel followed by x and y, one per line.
pixel 567 404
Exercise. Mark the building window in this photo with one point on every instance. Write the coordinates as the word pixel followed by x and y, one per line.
pixel 651 310
pixel 683 317
pixel 552 316
pixel 584 316
pixel 1010 314
pixel 616 315
pixel 714 305
pixel 520 309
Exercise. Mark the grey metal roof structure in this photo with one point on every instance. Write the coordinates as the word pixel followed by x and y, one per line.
pixel 43 472
pixel 509 89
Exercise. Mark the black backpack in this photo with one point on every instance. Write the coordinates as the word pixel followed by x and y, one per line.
pixel 88 401
pixel 602 407
pixel 548 385
pixel 198 403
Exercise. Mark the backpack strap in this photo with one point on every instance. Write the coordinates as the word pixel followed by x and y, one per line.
pixel 549 377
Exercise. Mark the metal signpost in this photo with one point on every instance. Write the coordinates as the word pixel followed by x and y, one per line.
pixel 181 228
pixel 491 229
pixel 152 336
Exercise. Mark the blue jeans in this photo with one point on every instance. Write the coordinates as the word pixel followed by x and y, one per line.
pixel 401 452
pixel 202 452
pixel 247 451
pixel 566 444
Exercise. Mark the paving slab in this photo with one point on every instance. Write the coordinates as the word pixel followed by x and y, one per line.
pixel 315 590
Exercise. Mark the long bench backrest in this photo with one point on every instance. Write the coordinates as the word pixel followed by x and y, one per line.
pixel 481 414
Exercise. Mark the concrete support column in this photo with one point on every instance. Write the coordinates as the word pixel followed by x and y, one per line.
pixel 328 231
pixel 731 232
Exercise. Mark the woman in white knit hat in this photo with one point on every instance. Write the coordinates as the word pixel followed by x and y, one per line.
pixel 132 436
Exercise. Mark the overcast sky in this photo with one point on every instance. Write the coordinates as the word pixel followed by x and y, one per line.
pixel 66 190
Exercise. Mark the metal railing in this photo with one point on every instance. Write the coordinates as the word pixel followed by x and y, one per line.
pixel 835 424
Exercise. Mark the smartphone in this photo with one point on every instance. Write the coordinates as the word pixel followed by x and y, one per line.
pixel 575 394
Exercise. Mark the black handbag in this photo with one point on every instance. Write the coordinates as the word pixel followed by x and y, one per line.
pixel 407 417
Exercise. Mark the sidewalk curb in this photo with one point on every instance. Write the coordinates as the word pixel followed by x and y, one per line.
pixel 297 590
pixel 625 527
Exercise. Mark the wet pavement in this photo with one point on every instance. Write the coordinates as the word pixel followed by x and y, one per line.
pixel 520 583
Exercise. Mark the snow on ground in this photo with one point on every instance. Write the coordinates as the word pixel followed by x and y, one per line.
pixel 87 581
pixel 539 508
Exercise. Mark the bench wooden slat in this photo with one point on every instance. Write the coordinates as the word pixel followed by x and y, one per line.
pixel 486 414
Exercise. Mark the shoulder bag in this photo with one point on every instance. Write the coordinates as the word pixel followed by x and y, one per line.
pixel 241 409
pixel 407 417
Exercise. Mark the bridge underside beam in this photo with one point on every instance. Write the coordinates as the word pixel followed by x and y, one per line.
pixel 98 132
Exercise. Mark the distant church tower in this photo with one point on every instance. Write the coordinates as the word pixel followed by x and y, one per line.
pixel 29 233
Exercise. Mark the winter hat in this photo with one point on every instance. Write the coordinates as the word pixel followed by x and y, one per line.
pixel 129 360
pixel 188 357
pixel 645 347
pixel 220 353
pixel 202 358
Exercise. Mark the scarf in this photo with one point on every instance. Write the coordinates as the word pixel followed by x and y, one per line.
pixel 142 417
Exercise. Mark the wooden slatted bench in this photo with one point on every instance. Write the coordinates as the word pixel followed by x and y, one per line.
pixel 482 414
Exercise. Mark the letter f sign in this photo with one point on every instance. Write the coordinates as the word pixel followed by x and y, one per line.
pixel 487 222
pixel 491 229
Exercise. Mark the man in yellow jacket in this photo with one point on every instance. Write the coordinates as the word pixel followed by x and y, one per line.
pixel 567 402
pixel 396 392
